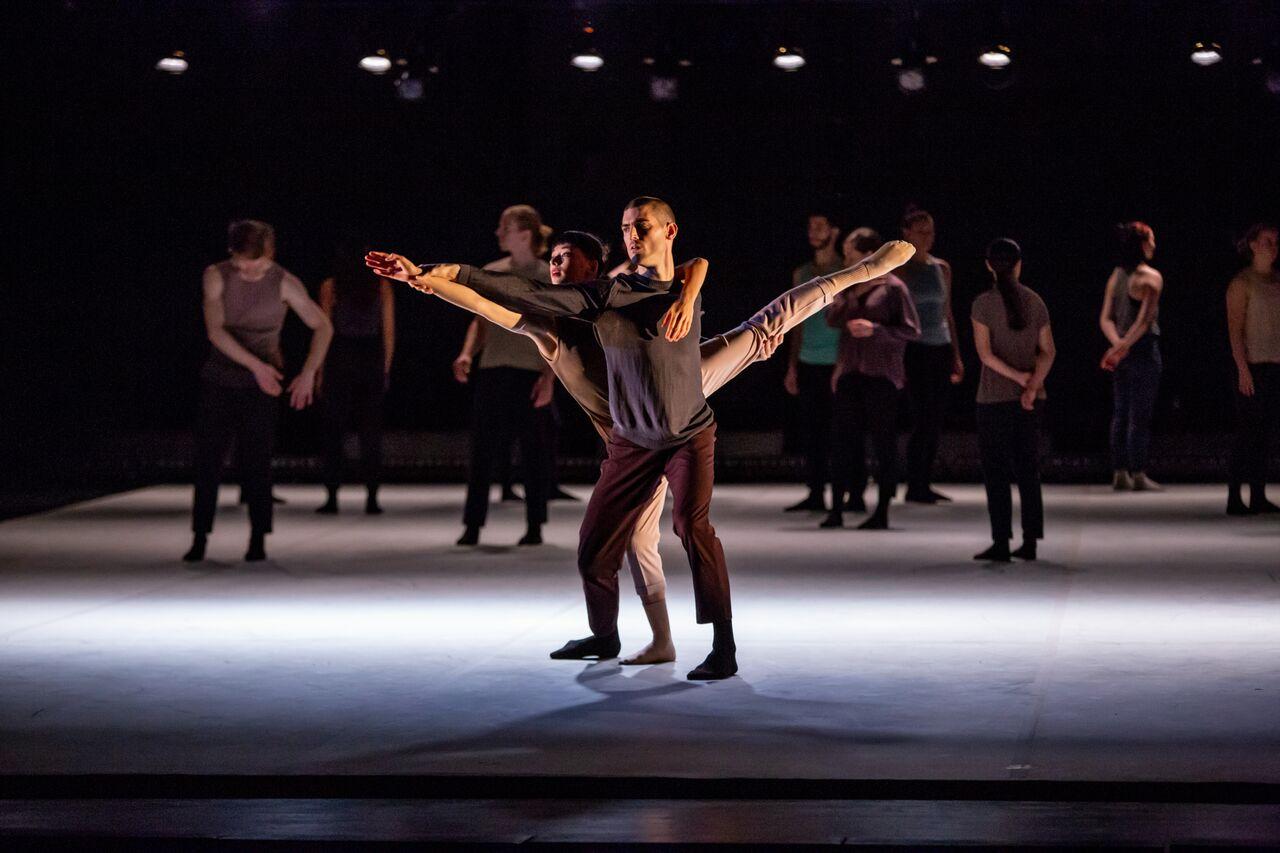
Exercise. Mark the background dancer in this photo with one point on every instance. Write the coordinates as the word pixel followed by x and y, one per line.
pixel 811 358
pixel 245 298
pixel 1015 344
pixel 876 320
pixel 512 388
pixel 1253 322
pixel 933 361
pixel 362 309
pixel 1130 308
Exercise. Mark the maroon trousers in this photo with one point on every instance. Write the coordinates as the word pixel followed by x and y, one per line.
pixel 627 481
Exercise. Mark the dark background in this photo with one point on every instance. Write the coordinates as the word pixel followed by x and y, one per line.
pixel 127 177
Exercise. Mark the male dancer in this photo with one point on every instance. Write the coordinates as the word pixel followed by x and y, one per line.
pixel 577 359
pixel 571 350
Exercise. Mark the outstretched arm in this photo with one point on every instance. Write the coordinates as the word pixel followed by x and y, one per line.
pixel 467 299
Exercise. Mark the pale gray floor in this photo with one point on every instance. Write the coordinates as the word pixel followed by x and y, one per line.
pixel 1144 645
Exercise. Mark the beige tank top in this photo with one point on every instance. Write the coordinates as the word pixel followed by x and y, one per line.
pixel 1262 317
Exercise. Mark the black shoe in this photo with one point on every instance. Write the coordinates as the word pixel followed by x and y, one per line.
pixel 926 496
pixel 510 494
pixel 601 648
pixel 257 548
pixel 532 536
pixel 875 521
pixel 1027 551
pixel 813 503
pixel 997 553
pixel 1262 507
pixel 276 499
pixel 329 507
pixel 833 519
pixel 855 503
pixel 1235 506
pixel 562 495
pixel 372 507
pixel 470 536
pixel 196 554
pixel 718 665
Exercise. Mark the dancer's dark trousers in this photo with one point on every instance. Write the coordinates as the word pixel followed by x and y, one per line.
pixel 628 477
pixel 1009 444
pixel 1136 383
pixel 928 369
pixel 866 406
pixel 353 389
pixel 814 381
pixel 247 416
pixel 503 410
pixel 1257 421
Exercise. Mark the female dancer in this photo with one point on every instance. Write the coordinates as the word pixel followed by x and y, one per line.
pixel 932 361
pixel 361 307
pixel 1253 321
pixel 1015 344
pixel 876 319
pixel 245 298
pixel 1130 308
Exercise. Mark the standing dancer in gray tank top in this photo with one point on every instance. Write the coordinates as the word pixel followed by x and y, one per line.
pixel 245 298
pixel 1129 311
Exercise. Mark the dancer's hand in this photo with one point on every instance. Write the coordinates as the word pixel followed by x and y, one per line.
pixel 1028 398
pixel 1024 379
pixel 678 319
pixel 462 368
pixel 770 345
pixel 1111 360
pixel 861 328
pixel 957 370
pixel 302 389
pixel 544 390
pixel 1245 382
pixel 791 382
pixel 268 379
pixel 390 265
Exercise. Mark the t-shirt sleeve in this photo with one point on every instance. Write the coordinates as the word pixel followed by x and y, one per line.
pixel 1039 312
pixel 523 295
pixel 981 311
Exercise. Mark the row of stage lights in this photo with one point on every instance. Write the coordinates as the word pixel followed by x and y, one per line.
pixel 911 68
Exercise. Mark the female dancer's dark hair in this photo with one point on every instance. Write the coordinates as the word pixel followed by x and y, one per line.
pixel 914 215
pixel 1255 230
pixel 1004 254
pixel 1133 236
pixel 589 244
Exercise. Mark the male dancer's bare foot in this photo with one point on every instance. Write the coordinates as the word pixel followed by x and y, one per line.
pixel 655 652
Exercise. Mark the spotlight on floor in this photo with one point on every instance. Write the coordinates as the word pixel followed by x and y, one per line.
pixel 997 57
pixel 788 59
pixel 376 63
pixel 587 60
pixel 1206 53
pixel 174 63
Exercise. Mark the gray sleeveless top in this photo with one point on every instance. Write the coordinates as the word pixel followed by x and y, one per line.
pixel 1124 308
pixel 356 314
pixel 253 313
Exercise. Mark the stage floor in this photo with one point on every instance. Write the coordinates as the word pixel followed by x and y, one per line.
pixel 1145 645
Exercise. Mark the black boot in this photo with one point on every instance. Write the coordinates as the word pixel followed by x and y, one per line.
pixel 196 554
pixel 330 505
pixel 997 553
pixel 835 518
pixel 371 505
pixel 878 520
pixel 257 547
pixel 470 536
pixel 813 503
pixel 723 660
pixel 1027 551
pixel 532 536
pixel 601 648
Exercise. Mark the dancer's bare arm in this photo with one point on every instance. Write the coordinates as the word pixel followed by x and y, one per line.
pixel 266 375
pixel 1152 284
pixel 302 388
pixel 1105 322
pixel 679 317
pixel 982 342
pixel 1237 310
pixel 957 363
pixel 388 325
pixel 1046 352
pixel 467 299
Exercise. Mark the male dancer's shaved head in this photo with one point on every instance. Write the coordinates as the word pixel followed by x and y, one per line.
pixel 659 208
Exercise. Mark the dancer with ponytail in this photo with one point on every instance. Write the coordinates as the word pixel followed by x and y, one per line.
pixel 1015 344
pixel 1130 309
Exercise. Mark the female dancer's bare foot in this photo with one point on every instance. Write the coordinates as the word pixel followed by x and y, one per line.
pixel 655 652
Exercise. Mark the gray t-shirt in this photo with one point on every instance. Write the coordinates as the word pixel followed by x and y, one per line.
pixel 1015 348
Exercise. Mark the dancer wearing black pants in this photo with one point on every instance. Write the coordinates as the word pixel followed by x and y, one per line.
pixel 513 388
pixel 876 320
pixel 1015 344
pixel 245 299
pixel 933 361
pixel 1253 321
pixel 362 309
pixel 811 358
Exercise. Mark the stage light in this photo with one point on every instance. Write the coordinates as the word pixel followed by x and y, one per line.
pixel 1205 54
pixel 911 81
pixel 788 59
pixel 587 60
pixel 376 63
pixel 174 63
pixel 997 57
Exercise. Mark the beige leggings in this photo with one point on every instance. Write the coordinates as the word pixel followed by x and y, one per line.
pixel 724 357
